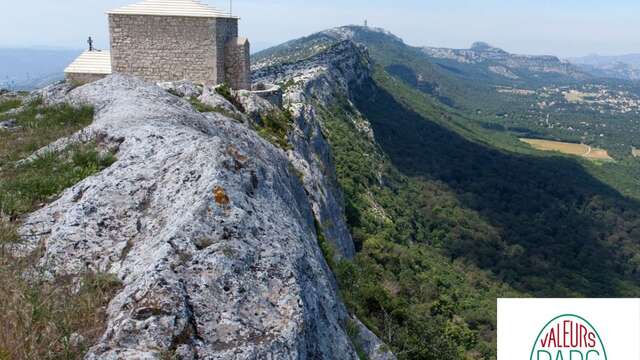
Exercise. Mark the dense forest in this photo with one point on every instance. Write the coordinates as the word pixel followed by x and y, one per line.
pixel 445 224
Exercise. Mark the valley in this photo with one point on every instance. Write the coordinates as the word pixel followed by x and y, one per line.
pixel 449 209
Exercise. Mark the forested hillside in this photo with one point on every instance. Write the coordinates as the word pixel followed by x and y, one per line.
pixel 449 213
pixel 546 98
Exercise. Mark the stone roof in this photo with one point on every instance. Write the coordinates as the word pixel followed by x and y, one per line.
pixel 190 8
pixel 91 62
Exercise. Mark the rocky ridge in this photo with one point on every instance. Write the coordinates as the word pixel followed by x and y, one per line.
pixel 506 64
pixel 211 229
pixel 319 80
pixel 615 70
pixel 311 85
pixel 625 67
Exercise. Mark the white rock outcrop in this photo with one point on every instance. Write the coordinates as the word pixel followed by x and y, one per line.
pixel 209 231
pixel 318 83
pixel 320 80
pixel 210 228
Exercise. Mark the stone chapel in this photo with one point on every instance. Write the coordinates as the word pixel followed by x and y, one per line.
pixel 170 40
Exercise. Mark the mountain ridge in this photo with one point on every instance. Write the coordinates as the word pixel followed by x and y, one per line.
pixel 241 273
pixel 626 67
pixel 436 195
pixel 505 64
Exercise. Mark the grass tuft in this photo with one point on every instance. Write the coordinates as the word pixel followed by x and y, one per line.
pixel 9 104
pixel 40 317
pixel 39 126
pixel 24 187
pixel 204 108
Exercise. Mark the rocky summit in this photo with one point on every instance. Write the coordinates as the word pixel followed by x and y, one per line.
pixel 212 230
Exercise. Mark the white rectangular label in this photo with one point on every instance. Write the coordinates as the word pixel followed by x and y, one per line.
pixel 568 329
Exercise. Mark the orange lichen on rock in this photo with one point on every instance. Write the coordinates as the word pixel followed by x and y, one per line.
pixel 221 196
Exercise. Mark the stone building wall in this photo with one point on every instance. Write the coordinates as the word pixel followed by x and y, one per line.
pixel 238 63
pixel 168 48
pixel 226 31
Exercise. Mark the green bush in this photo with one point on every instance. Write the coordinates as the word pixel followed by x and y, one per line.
pixel 275 126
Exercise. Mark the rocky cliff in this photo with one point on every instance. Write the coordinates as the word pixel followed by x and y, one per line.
pixel 212 230
pixel 319 80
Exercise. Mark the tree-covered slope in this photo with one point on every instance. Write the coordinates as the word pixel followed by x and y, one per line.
pixel 447 223
pixel 448 214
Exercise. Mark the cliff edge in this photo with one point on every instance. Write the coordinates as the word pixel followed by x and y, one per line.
pixel 212 230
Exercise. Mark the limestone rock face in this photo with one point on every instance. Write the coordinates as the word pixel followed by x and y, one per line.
pixel 253 105
pixel 211 98
pixel 315 84
pixel 318 82
pixel 52 94
pixel 182 88
pixel 209 231
pixel 370 344
pixel 8 124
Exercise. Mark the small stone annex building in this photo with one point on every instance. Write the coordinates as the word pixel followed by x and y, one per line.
pixel 170 40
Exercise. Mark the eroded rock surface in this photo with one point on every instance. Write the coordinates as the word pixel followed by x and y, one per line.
pixel 183 88
pixel 8 124
pixel 319 81
pixel 210 233
pixel 211 98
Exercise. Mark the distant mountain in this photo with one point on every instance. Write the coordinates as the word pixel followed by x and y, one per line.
pixel 599 60
pixel 27 69
pixel 461 78
pixel 625 67
pixel 484 60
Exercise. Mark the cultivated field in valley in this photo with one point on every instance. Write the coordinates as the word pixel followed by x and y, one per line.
pixel 569 148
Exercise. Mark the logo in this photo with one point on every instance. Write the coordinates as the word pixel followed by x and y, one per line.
pixel 568 337
pixel 568 329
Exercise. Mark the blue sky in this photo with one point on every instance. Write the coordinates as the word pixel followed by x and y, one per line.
pixel 560 27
